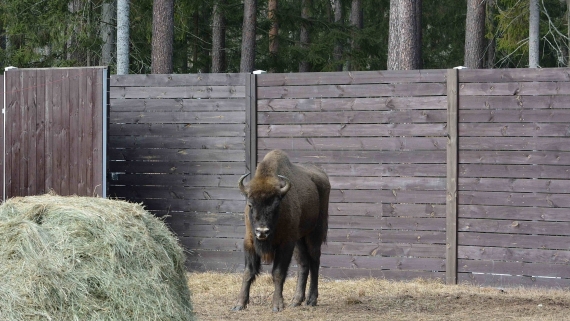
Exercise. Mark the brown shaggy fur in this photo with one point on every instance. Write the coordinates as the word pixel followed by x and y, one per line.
pixel 297 220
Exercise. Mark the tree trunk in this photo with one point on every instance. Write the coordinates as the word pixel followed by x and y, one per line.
pixel 122 37
pixel 475 34
pixel 492 43
pixel 218 38
pixel 304 40
pixel 402 38
pixel 162 36
pixel 247 62
pixel 533 34
pixel 107 35
pixel 274 31
pixel 337 51
pixel 356 22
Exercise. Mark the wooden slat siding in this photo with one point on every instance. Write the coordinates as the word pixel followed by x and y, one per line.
pixel 514 176
pixel 2 154
pixel 182 157
pixel 97 125
pixel 88 123
pixel 385 157
pixel 489 280
pixel 49 131
pixel 514 102
pixel 352 104
pixel 251 122
pixel 382 263
pixel 12 109
pixel 342 273
pixel 514 75
pixel 25 136
pixel 178 80
pixel 66 188
pixel 353 77
pixel 74 124
pixel 329 91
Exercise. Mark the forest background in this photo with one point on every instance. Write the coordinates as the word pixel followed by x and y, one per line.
pixel 201 36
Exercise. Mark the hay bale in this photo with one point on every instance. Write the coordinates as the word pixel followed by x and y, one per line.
pixel 84 258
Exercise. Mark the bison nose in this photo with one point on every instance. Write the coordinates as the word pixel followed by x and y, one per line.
pixel 261 233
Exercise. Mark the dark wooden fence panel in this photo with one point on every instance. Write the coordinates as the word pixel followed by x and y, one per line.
pixel 177 146
pixel 514 177
pixel 56 131
pixel 380 136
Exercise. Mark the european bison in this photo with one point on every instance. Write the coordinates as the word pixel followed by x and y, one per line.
pixel 286 212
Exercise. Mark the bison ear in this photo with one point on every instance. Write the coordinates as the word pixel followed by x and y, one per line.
pixel 285 185
pixel 244 190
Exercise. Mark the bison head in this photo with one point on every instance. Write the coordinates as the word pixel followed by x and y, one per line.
pixel 264 197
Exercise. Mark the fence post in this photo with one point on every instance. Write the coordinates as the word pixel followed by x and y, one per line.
pixel 251 123
pixel 452 163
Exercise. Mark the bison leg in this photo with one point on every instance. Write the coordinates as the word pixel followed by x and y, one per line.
pixel 303 259
pixel 283 256
pixel 314 247
pixel 252 269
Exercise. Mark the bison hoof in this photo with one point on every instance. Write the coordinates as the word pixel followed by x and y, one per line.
pixel 312 302
pixel 238 308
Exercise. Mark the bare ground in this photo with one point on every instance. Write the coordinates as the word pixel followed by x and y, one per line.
pixel 214 294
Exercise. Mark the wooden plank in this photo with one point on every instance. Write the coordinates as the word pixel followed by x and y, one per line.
pixel 97 124
pixel 388 223
pixel 225 143
pixel 515 213
pixel 452 174
pixel 49 130
pixel 177 130
pixel 65 139
pixel 184 155
pixel 40 152
pixel 353 77
pixel 185 92
pixel 2 137
pixel 516 116
pixel 493 280
pixel 352 117
pixel 173 167
pixel 399 183
pixel 386 210
pixel 514 129
pixel 88 143
pixel 515 240
pixel 212 244
pixel 374 90
pixel 514 185
pixel 343 273
pixel 179 192
pixel 12 131
pixel 382 263
pixel 514 171
pixel 58 132
pixel 514 102
pixel 515 268
pixel 177 104
pixel 353 104
pixel 171 205
pixel 512 75
pixel 515 88
pixel 514 199
pixel 385 170
pixel 358 157
pixel 26 136
pixel 188 228
pixel 385 249
pixel 74 145
pixel 514 254
pixel 515 143
pixel 251 144
pixel 385 236
pixel 388 196
pixel 203 221
pixel 176 180
pixel 514 227
pixel 312 147
pixel 170 117
pixel 514 157
pixel 355 130
pixel 178 80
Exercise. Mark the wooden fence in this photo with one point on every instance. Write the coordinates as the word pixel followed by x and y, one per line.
pixel 55 131
pixel 449 174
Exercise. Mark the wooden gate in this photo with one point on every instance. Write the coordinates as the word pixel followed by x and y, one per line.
pixel 54 134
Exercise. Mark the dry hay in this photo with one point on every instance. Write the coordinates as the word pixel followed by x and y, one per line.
pixel 214 294
pixel 83 258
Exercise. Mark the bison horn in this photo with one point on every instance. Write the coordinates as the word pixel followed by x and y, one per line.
pixel 287 186
pixel 240 184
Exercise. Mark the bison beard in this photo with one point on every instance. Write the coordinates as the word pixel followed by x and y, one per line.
pixel 296 225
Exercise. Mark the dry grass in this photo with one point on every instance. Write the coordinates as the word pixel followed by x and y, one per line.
pixel 214 294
